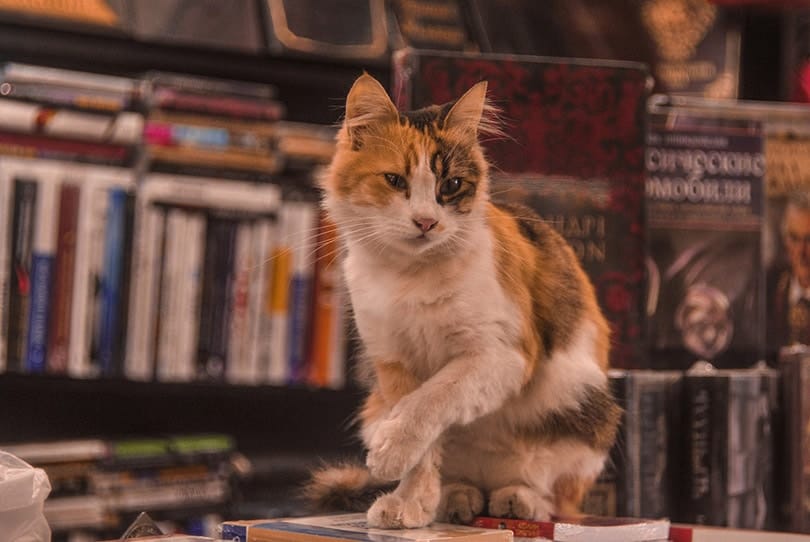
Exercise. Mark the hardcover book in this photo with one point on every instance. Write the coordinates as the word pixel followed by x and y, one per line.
pixel 705 202
pixel 641 475
pixel 795 367
pixel 351 527
pixel 729 422
pixel 575 135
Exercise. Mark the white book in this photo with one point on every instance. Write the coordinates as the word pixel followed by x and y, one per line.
pixel 146 269
pixel 237 366
pixel 28 73
pixel 258 316
pixel 189 312
pixel 206 192
pixel 169 296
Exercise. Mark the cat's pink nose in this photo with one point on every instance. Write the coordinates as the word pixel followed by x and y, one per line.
pixel 425 224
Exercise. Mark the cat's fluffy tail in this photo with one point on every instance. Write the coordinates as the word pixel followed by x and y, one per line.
pixel 347 487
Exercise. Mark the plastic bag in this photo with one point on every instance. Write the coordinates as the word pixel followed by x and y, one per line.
pixel 23 490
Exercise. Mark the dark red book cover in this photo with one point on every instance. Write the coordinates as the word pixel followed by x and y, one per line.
pixel 62 289
pixel 571 121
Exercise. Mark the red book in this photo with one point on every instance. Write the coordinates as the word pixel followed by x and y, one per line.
pixel 62 289
pixel 574 152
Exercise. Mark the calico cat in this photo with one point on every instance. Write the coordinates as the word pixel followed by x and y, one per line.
pixel 485 349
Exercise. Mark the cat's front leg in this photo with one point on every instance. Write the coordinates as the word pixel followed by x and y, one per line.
pixel 415 500
pixel 462 391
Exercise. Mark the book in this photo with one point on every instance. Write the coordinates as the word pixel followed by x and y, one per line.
pixel 351 527
pixel 6 214
pixel 558 130
pixel 705 206
pixel 729 419
pixel 236 107
pixel 62 95
pixel 120 128
pixel 92 12
pixel 22 233
pixel 64 272
pixel 641 476
pixel 697 44
pixel 584 529
pixel 42 257
pixel 702 533
pixel 198 84
pixel 794 364
pixel 40 146
pixel 432 24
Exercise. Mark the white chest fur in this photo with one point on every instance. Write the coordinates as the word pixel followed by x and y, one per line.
pixel 424 319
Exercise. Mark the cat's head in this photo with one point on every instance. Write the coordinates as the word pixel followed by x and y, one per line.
pixel 410 183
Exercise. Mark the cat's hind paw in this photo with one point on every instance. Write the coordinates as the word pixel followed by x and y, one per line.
pixel 392 512
pixel 520 502
pixel 460 503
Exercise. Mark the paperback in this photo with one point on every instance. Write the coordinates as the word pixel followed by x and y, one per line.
pixel 347 527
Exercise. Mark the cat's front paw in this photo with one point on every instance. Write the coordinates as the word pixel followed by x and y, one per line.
pixel 394 449
pixel 393 512
pixel 460 503
pixel 520 502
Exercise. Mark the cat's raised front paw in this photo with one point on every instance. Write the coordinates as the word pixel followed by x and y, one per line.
pixel 392 512
pixel 394 450
pixel 520 502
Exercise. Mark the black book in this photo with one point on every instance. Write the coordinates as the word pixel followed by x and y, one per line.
pixel 22 231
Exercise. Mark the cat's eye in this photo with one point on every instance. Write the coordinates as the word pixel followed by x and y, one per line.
pixel 450 186
pixel 397 181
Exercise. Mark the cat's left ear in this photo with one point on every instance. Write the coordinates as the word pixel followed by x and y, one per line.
pixel 466 114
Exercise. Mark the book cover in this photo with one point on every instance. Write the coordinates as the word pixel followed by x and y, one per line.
pixel 698 46
pixel 64 272
pixel 582 529
pixel 22 231
pixel 728 421
pixel 349 527
pixel 642 473
pixel 794 364
pixel 565 119
pixel 705 201
pixel 42 259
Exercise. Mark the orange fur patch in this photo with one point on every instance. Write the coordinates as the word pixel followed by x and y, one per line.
pixel 568 492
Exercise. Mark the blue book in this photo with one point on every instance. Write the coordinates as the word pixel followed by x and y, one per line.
pixel 42 262
pixel 111 287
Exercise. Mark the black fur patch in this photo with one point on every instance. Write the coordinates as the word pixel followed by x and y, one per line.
pixel 427 118
pixel 594 421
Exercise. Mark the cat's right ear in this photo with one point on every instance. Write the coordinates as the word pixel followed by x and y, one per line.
pixel 367 103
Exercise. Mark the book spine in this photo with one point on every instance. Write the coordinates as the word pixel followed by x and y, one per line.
pixel 25 198
pixel 16 72
pixel 146 265
pixel 214 330
pixel 111 285
pixel 37 146
pixel 77 350
pixel 303 217
pixel 325 345
pixel 170 290
pixel 265 326
pixel 279 300
pixel 64 273
pixel 238 370
pixel 190 311
pixel 257 366
pixel 42 258
pixel 218 105
pixel 99 208
pixel 6 214
pixel 61 95
pixel 121 337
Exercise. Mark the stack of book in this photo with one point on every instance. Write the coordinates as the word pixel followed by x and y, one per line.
pixel 67 142
pixel 99 486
